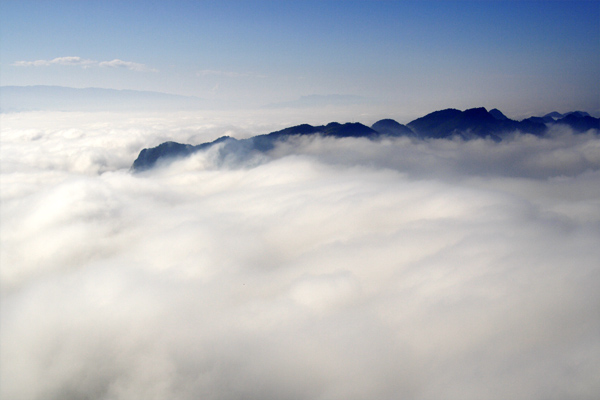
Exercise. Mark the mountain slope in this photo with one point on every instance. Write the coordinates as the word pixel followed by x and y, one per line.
pixel 498 114
pixel 148 158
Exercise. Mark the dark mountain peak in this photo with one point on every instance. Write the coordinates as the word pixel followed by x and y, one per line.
pixel 580 122
pixel 330 129
pixel 479 114
pixel 476 112
pixel 435 124
pixel 577 113
pixel 450 122
pixel 553 115
pixel 541 120
pixel 349 129
pixel 471 123
pixel 219 140
pixel 335 129
pixel 556 115
pixel 304 129
pixel 149 157
pixel 387 122
pixel 391 127
pixel 446 113
pixel 498 114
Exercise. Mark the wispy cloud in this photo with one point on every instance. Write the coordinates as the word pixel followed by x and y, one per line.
pixel 85 63
pixel 133 66
pixel 75 61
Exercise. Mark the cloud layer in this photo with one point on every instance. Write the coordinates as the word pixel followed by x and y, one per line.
pixel 325 270
pixel 85 63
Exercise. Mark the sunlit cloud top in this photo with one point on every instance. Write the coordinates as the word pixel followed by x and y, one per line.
pixel 323 269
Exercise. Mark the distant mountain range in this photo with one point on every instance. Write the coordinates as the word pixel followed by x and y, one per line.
pixel 60 98
pixel 317 100
pixel 469 124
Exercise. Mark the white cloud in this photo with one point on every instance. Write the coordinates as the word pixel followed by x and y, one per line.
pixel 392 269
pixel 85 63
pixel 69 61
pixel 126 64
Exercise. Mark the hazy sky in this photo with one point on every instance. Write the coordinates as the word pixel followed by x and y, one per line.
pixel 522 57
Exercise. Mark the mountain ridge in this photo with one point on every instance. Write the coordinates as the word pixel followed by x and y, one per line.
pixel 470 124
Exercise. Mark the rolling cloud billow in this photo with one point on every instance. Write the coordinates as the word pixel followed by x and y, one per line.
pixel 426 260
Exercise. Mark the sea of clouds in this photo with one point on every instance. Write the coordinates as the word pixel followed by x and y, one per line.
pixel 326 269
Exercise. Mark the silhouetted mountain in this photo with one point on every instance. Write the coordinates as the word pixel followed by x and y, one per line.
pixel 261 143
pixel 532 125
pixel 554 115
pixel 537 120
pixel 580 122
pixel 550 117
pixel 354 129
pixel 498 114
pixel 578 113
pixel 334 129
pixel 545 119
pixel 390 127
pixel 469 124
pixel 436 124
pixel 149 157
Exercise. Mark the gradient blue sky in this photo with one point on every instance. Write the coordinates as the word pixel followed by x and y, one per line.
pixel 522 57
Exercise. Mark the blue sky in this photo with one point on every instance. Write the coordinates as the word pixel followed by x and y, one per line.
pixel 517 56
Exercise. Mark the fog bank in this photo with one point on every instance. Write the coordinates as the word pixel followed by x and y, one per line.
pixel 325 269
